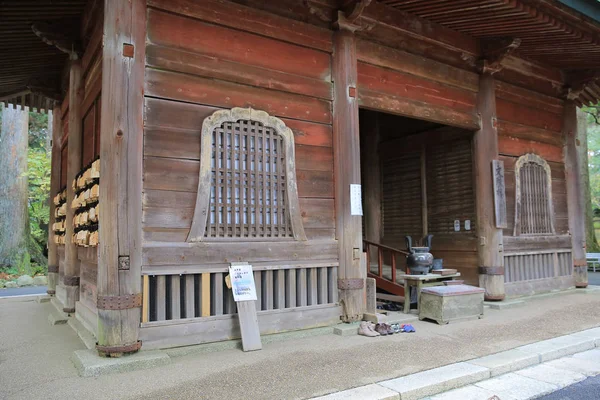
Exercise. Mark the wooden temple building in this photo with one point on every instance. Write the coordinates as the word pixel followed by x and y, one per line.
pixel 190 134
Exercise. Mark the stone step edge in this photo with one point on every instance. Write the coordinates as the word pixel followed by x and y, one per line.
pixel 587 339
pixel 86 336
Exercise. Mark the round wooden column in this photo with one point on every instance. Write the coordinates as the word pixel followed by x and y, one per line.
pixel 575 204
pixel 485 143
pixel 71 278
pixel 54 189
pixel 121 157
pixel 346 153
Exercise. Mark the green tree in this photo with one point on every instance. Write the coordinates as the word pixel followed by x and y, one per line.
pixel 593 162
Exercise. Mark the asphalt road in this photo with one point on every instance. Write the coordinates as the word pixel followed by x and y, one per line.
pixel 594 278
pixel 22 291
pixel 588 389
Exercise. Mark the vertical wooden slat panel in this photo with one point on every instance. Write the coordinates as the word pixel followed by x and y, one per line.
pixel 230 307
pixel 332 284
pixel 279 287
pixel 322 287
pixel 312 287
pixel 145 298
pixel 267 292
pixel 175 299
pixel 205 293
pixel 161 298
pixel 301 290
pixel 197 295
pixel 189 296
pixel 258 284
pixel 290 288
pixel 216 289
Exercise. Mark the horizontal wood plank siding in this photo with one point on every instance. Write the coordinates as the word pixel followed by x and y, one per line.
pixel 402 61
pixel 429 97
pixel 199 59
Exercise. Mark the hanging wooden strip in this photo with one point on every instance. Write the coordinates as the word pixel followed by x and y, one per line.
pixel 499 193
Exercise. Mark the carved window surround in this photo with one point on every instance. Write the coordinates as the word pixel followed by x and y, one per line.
pixel 534 213
pixel 255 203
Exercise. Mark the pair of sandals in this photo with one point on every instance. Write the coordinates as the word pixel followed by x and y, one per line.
pixel 408 328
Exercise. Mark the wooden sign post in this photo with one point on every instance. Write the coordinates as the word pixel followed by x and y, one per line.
pixel 244 294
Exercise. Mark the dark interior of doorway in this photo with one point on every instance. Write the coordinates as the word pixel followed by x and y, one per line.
pixel 418 179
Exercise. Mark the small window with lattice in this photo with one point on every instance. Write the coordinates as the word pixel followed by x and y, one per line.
pixel 247 188
pixel 533 206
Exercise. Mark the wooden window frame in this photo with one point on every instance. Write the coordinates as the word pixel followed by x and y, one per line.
pixel 202 208
pixel 521 162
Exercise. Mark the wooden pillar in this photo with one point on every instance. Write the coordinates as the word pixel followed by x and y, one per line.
pixel 346 151
pixel 120 203
pixel 372 177
pixel 54 189
pixel 574 199
pixel 485 143
pixel 71 278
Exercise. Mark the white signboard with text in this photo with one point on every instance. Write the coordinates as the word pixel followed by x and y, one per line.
pixel 242 282
pixel 355 200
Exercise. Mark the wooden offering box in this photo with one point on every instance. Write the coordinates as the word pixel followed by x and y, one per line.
pixel 448 303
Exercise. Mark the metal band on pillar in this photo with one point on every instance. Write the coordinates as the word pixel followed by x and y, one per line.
pixel 351 284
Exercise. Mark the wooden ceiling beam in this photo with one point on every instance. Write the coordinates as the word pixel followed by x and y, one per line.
pixel 55 36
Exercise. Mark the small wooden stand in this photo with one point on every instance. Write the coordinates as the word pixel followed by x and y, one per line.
pixel 247 318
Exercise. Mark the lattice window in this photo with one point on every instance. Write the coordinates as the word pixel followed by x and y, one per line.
pixel 247 188
pixel 534 212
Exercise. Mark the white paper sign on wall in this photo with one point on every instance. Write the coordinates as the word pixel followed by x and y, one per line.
pixel 355 200
pixel 457 225
pixel 242 282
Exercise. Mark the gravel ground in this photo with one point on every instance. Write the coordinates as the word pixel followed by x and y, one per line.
pixel 34 357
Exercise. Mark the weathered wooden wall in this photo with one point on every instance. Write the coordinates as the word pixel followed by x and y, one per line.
pixel 530 121
pixel 91 64
pixel 202 57
pixel 203 61
pixel 398 82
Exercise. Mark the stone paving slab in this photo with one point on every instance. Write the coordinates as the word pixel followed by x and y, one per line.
pixel 88 363
pixel 592 355
pixel 558 347
pixel 56 317
pixel 503 305
pixel 436 380
pixel 371 392
pixel 590 334
pixel 554 376
pixel 506 361
pixel 516 386
pixel 583 366
pixel 470 392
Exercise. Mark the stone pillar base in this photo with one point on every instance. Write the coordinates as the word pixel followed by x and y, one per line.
pixel 492 280
pixel 52 282
pixel 71 286
pixel 580 273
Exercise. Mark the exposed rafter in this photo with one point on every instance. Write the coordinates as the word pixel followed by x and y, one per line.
pixel 54 36
pixel 583 86
pixel 354 8
pixel 493 51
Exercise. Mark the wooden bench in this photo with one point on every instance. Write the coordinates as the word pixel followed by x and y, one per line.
pixel 593 261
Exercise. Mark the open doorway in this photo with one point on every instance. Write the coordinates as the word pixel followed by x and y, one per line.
pixel 418 179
